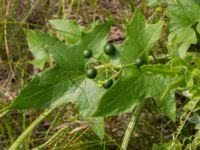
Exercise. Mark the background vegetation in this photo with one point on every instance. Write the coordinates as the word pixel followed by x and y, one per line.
pixel 73 133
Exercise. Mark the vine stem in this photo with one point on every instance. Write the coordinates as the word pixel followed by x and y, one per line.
pixel 183 124
pixel 132 124
pixel 26 133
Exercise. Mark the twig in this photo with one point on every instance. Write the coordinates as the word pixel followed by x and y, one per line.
pixel 132 124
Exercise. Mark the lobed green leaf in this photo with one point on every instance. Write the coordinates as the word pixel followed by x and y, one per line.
pixel 140 38
pixel 49 89
pixel 134 87
pixel 70 30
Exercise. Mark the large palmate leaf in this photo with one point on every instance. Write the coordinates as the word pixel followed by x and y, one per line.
pixel 136 86
pixel 140 38
pixel 66 81
pixel 133 88
pixel 183 14
pixel 51 87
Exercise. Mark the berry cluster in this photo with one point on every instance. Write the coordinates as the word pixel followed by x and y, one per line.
pixel 109 50
pixel 91 73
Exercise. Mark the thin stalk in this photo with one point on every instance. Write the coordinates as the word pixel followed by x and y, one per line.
pixel 183 124
pixel 26 143
pixel 132 124
pixel 4 113
pixel 9 131
pixel 51 140
pixel 53 123
pixel 63 9
pixel 31 10
pixel 28 131
pixel 95 10
pixel 5 37
pixel 131 3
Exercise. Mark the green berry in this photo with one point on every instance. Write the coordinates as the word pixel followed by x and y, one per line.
pixel 87 53
pixel 139 62
pixel 107 84
pixel 91 73
pixel 109 49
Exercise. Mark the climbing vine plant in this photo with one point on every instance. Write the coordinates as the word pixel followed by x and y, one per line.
pixel 105 79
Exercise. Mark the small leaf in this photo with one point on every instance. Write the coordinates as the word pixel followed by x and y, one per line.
pixel 180 40
pixel 183 14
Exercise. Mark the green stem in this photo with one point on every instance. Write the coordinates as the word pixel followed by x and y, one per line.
pixel 26 133
pixel 132 124
pixel 115 75
pixel 4 113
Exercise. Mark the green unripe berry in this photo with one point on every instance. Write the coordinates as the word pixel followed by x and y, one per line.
pixel 91 73
pixel 109 49
pixel 87 53
pixel 139 62
pixel 107 84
